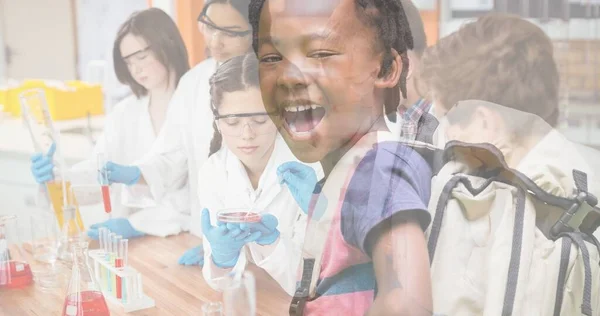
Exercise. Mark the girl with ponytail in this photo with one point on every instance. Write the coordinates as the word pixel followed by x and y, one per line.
pixel 241 173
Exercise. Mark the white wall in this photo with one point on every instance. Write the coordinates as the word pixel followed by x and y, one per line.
pixel 2 57
pixel 98 22
pixel 41 34
pixel 167 6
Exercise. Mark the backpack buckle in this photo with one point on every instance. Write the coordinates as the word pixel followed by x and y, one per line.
pixel 302 292
pixel 298 302
pixel 571 220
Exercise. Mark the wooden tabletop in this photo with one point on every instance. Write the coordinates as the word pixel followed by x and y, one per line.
pixel 177 290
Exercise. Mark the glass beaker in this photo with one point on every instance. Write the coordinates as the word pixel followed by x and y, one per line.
pixel 44 244
pixel 70 233
pixel 15 271
pixel 239 294
pixel 212 309
pixel 84 297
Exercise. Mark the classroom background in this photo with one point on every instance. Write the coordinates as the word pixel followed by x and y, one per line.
pixel 70 41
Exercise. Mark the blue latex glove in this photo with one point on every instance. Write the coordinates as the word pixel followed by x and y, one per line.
pixel 192 257
pixel 226 240
pixel 301 181
pixel 119 226
pixel 128 175
pixel 268 228
pixel 42 165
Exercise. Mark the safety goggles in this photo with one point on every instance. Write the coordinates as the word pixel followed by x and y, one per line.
pixel 211 29
pixel 139 57
pixel 234 124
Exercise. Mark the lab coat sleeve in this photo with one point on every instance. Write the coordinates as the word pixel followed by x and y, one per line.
pixel 282 263
pixel 165 167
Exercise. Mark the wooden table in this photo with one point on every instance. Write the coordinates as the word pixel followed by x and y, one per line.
pixel 177 290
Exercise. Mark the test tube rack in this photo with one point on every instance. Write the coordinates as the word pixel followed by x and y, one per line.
pixel 131 292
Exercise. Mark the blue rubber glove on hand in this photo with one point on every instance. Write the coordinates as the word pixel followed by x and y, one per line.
pixel 301 181
pixel 119 226
pixel 193 257
pixel 128 175
pixel 226 240
pixel 268 228
pixel 42 165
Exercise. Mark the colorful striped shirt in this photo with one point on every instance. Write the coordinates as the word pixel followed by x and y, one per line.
pixel 391 178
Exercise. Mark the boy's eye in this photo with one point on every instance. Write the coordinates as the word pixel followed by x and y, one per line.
pixel 272 58
pixel 321 54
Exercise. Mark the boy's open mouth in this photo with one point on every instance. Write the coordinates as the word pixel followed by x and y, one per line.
pixel 303 118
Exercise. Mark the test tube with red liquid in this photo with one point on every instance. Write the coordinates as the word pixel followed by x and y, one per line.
pixel 103 178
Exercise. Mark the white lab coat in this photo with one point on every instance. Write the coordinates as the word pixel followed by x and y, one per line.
pixel 127 136
pixel 183 143
pixel 224 184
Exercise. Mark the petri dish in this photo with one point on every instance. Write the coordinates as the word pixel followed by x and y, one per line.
pixel 238 216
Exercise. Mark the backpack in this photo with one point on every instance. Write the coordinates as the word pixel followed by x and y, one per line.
pixel 505 243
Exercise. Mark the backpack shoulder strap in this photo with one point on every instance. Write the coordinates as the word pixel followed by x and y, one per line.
pixel 581 211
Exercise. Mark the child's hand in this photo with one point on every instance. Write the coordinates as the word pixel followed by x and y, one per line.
pixel 42 166
pixel 268 228
pixel 119 226
pixel 301 181
pixel 194 256
pixel 226 240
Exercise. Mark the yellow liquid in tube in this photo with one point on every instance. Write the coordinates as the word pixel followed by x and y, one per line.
pixel 56 199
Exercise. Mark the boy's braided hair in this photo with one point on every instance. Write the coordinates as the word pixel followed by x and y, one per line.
pixel 392 30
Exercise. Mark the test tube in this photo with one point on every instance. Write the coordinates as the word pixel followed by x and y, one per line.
pixel 109 261
pixel 116 281
pixel 109 245
pixel 103 232
pixel 103 179
pixel 140 288
pixel 129 283
pixel 124 250
pixel 122 263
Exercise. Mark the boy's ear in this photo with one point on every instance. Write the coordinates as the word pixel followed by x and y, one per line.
pixel 391 78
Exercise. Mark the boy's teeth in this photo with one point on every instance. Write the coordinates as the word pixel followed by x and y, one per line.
pixel 300 108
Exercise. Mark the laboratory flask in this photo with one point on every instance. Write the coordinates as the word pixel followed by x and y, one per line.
pixel 84 297
pixel 15 271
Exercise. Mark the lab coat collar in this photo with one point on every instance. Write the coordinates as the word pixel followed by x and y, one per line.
pixel 268 185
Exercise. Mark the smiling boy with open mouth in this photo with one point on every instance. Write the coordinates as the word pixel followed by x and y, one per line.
pixel 327 68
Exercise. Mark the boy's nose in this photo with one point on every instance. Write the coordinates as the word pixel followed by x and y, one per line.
pixel 292 77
